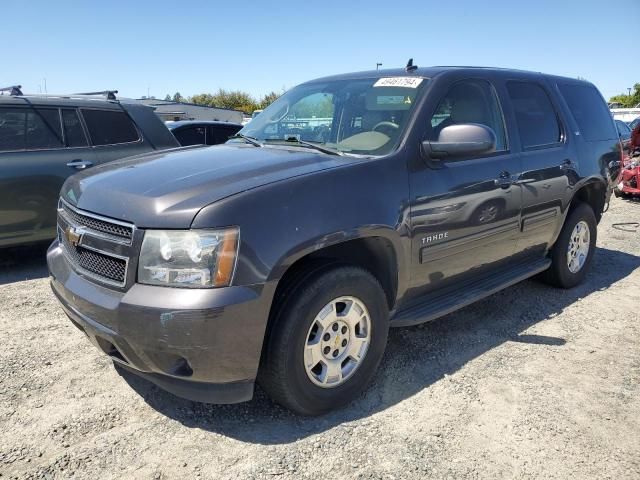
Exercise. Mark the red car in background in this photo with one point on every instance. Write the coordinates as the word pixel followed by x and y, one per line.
pixel 629 177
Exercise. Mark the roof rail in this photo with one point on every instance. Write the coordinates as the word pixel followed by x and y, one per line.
pixel 13 90
pixel 110 94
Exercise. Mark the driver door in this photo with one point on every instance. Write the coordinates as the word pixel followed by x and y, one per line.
pixel 465 212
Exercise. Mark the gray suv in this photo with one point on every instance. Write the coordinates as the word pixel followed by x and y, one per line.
pixel 45 139
pixel 352 204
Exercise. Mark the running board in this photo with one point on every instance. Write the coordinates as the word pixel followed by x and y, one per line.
pixel 440 302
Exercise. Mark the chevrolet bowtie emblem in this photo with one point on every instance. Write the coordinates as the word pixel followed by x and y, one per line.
pixel 74 235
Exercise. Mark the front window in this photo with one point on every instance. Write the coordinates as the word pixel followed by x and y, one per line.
pixel 364 116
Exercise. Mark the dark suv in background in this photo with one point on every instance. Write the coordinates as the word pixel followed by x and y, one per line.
pixel 351 204
pixel 202 132
pixel 45 139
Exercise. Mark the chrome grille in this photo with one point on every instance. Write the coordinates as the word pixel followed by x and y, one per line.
pixel 95 246
pixel 98 263
pixel 97 224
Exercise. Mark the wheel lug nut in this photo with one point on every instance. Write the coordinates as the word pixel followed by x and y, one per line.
pixel 326 337
pixel 335 353
pixel 334 327
pixel 344 330
pixel 326 350
pixel 344 343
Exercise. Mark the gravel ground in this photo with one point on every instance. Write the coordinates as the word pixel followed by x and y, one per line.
pixel 532 382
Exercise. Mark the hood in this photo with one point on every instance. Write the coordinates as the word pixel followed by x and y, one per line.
pixel 167 189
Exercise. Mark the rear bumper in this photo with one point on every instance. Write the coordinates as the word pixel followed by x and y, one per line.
pixel 199 344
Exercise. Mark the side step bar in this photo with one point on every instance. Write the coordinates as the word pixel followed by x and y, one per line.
pixel 438 303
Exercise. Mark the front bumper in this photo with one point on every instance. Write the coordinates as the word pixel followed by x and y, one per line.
pixel 199 344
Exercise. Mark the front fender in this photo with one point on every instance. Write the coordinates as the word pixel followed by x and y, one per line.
pixel 282 222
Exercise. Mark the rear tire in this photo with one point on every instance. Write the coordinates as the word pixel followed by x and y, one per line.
pixel 309 363
pixel 572 254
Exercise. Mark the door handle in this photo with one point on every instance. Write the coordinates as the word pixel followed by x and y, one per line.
pixel 79 164
pixel 567 165
pixel 504 180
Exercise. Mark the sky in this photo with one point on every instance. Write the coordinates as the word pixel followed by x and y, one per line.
pixel 142 47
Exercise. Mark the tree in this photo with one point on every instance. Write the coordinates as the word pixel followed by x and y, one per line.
pixel 167 97
pixel 177 97
pixel 628 101
pixel 268 99
pixel 234 99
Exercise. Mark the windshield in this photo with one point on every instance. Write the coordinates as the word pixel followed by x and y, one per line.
pixel 364 116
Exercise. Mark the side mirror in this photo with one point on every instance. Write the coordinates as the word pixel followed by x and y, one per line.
pixel 464 140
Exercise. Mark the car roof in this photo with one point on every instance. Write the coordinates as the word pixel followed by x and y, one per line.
pixel 182 123
pixel 431 72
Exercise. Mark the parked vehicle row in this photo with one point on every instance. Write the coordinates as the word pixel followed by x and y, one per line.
pixel 284 256
pixel 45 139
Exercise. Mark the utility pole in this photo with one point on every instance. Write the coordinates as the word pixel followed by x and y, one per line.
pixel 378 65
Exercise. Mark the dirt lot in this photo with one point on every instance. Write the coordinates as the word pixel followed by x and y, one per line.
pixel 531 382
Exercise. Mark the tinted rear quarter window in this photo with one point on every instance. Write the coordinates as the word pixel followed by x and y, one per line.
pixel 535 116
pixel 109 127
pixel 589 110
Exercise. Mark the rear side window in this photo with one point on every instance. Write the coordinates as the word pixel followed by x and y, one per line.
pixel 74 134
pixel 535 116
pixel 191 136
pixel 109 127
pixel 30 129
pixel 591 113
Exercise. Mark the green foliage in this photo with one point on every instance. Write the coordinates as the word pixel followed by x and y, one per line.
pixel 268 99
pixel 167 97
pixel 319 105
pixel 233 99
pixel 628 101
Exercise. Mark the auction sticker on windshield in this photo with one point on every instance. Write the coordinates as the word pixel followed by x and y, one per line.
pixel 406 82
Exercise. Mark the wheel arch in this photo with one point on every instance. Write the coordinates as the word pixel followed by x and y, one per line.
pixel 593 192
pixel 379 252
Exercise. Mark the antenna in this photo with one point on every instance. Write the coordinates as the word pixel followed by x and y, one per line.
pixel 15 90
pixel 410 66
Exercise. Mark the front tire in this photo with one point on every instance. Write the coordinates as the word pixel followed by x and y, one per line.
pixel 326 341
pixel 572 254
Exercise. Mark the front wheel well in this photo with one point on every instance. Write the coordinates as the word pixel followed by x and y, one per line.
pixel 373 254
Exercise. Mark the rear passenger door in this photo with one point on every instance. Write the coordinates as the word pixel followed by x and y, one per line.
pixel 548 163
pixel 39 148
pixel 113 134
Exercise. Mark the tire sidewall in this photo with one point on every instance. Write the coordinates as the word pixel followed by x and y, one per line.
pixel 302 312
pixel 566 277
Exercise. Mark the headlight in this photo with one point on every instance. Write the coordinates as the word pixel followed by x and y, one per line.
pixel 188 258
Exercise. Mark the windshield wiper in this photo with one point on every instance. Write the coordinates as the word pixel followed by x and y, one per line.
pixel 316 146
pixel 253 141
